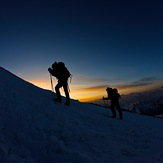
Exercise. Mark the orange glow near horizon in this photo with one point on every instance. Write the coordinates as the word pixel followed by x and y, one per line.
pixel 40 83
pixel 92 93
pixel 82 94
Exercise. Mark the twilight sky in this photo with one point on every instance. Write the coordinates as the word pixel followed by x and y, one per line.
pixel 102 42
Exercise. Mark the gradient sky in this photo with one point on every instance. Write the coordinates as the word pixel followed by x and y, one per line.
pixel 116 43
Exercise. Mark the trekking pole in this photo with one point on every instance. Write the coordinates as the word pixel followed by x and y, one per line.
pixel 106 109
pixel 51 80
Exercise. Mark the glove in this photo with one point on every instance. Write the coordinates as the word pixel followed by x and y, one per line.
pixel 49 69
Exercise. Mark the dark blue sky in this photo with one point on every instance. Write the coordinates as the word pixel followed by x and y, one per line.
pixel 116 43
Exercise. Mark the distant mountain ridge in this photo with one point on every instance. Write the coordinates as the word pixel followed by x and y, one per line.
pixel 147 103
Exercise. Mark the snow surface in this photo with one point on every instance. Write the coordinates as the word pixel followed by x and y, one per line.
pixel 33 129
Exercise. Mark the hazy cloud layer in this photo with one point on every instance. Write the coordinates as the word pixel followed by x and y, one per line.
pixel 139 83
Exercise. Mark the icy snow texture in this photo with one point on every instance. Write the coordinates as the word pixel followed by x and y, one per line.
pixel 33 129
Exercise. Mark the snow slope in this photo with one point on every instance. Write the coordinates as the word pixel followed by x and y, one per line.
pixel 33 129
